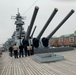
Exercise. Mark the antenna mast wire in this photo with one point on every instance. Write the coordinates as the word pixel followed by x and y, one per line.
pixel 30 7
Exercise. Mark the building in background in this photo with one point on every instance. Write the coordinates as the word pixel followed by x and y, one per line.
pixel 54 41
pixel 64 40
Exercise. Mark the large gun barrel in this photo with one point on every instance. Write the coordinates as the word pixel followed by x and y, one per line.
pixel 27 31
pixel 32 22
pixel 47 23
pixel 33 31
pixel 60 24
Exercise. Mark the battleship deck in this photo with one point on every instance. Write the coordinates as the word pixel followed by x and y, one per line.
pixel 30 66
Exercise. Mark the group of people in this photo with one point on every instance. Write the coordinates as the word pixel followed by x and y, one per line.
pixel 21 51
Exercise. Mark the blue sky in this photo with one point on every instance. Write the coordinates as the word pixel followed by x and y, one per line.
pixel 8 8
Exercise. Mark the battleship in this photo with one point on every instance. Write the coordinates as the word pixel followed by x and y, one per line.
pixel 41 45
pixel 21 36
pixel 36 64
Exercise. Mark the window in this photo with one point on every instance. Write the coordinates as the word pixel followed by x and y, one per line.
pixel 71 39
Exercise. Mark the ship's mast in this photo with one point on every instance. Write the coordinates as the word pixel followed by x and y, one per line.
pixel 19 33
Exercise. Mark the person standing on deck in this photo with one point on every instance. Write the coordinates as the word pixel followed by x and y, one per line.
pixel 15 48
pixel 21 50
pixel 10 50
pixel 32 49
pixel 25 50
pixel 25 44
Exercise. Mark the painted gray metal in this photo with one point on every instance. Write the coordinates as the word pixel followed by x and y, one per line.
pixel 47 23
pixel 32 22
pixel 48 57
pixel 49 50
pixel 60 24
pixel 33 31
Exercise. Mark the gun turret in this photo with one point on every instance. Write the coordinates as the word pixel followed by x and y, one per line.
pixel 32 22
pixel 36 40
pixel 45 40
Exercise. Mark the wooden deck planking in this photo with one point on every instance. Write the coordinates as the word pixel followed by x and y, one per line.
pixel 28 65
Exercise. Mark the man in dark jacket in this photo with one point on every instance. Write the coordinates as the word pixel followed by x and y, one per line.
pixel 25 44
pixel 32 50
pixel 21 50
pixel 10 50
